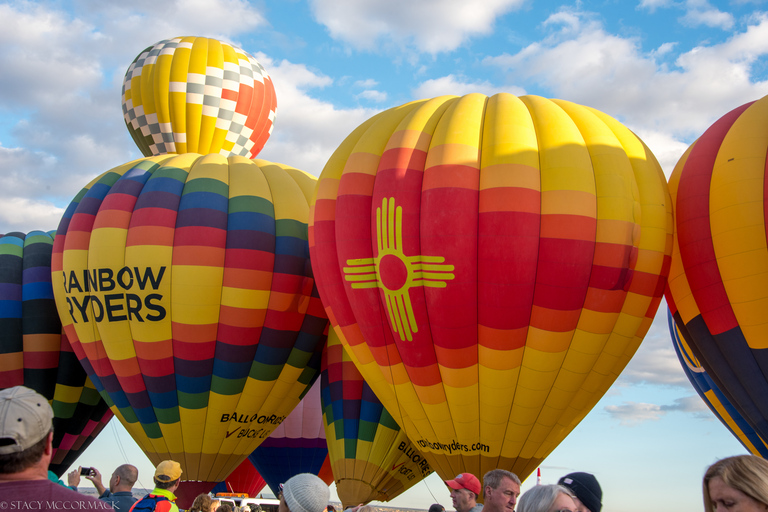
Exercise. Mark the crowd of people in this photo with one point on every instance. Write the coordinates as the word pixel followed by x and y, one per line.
pixel 733 484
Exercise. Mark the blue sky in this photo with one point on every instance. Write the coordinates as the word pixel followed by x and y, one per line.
pixel 667 69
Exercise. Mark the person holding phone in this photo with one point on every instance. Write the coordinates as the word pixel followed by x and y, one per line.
pixel 119 495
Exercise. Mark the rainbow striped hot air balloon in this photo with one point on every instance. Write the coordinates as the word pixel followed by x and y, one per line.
pixel 198 95
pixel 718 280
pixel 711 394
pixel 491 264
pixel 371 457
pixel 185 287
pixel 296 446
pixel 35 353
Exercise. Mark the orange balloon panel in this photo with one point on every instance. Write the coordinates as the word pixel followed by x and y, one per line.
pixel 492 264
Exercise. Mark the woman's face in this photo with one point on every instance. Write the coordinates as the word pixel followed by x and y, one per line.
pixel 563 503
pixel 725 498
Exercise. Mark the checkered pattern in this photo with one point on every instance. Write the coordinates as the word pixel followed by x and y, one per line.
pixel 200 95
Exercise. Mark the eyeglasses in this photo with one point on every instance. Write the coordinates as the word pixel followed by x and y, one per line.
pixel 564 510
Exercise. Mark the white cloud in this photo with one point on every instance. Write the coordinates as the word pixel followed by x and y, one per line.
pixel 655 362
pixel 459 86
pixel 652 5
pixel 634 413
pixel 431 26
pixel 366 84
pixel 612 74
pixel 700 12
pixel 372 95
pixel 307 130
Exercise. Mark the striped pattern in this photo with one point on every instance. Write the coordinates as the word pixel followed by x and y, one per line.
pixel 185 286
pixel 719 273
pixel 198 95
pixel 371 458
pixel 711 394
pixel 33 351
pixel 554 222
pixel 296 446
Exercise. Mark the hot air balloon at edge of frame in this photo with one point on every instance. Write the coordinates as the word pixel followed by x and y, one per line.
pixel 198 95
pixel 491 264
pixel 711 395
pixel 184 284
pixel 371 457
pixel 35 353
pixel 718 278
pixel 296 446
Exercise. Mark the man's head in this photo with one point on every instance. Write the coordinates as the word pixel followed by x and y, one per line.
pixel 26 422
pixel 304 493
pixel 123 478
pixel 465 489
pixel 587 491
pixel 167 475
pixel 501 489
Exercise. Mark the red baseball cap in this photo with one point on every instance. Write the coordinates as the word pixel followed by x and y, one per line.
pixel 466 481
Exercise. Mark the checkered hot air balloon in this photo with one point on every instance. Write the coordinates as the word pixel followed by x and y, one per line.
pixel 184 285
pixel 35 353
pixel 371 457
pixel 492 264
pixel 296 446
pixel 198 95
pixel 718 280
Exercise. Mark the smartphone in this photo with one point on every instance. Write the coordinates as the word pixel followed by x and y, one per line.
pixel 86 471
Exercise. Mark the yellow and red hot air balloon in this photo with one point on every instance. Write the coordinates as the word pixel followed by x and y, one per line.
pixel 198 95
pixel 35 353
pixel 718 280
pixel 491 264
pixel 371 457
pixel 184 283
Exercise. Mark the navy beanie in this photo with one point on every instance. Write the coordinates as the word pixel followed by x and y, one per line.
pixel 586 488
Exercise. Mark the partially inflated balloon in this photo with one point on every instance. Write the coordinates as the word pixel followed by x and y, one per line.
pixel 718 281
pixel 245 478
pixel 492 264
pixel 711 394
pixel 185 287
pixel 34 353
pixel 198 95
pixel 296 446
pixel 371 457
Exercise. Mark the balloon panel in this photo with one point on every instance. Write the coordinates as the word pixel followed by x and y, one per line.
pixel 185 287
pixel 245 478
pixel 296 446
pixel 711 394
pixel 492 264
pixel 371 457
pixel 719 269
pixel 198 95
pixel 33 351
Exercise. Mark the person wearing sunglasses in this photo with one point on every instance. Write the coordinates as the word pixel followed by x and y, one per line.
pixel 547 498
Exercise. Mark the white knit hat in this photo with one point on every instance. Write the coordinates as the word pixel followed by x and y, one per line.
pixel 305 492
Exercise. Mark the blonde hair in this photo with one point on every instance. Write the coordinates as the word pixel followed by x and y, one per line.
pixel 745 473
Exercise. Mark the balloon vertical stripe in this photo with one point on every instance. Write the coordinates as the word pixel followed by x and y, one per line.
pixel 180 278
pixel 491 264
